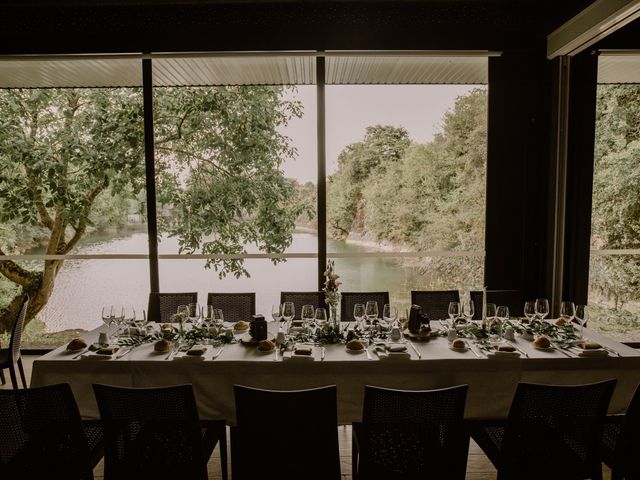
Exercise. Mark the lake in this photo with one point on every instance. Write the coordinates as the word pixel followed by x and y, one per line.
pixel 84 286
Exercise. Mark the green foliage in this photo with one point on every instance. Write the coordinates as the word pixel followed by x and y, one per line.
pixel 616 193
pixel 423 196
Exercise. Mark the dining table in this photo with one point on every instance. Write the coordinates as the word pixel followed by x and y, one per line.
pixel 425 365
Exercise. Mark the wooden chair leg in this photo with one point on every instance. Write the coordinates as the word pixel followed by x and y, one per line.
pixel 354 457
pixel 2 380
pixel 12 374
pixel 22 376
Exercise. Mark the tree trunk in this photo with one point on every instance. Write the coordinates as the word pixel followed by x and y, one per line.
pixel 39 292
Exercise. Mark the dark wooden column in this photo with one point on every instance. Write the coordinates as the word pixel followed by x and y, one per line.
pixel 517 201
pixel 579 188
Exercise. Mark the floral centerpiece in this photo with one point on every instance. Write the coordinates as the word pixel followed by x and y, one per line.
pixel 332 293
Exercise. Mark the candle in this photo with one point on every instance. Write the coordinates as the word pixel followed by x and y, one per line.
pixel 484 305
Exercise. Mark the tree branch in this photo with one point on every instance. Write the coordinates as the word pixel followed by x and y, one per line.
pixel 81 228
pixel 45 218
pixel 14 272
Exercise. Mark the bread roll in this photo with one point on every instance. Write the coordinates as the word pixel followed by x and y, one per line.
pixel 266 345
pixel 458 343
pixel 560 322
pixel 542 342
pixel 107 350
pixel 240 325
pixel 589 345
pixel 505 347
pixel 355 345
pixel 77 344
pixel 197 351
pixel 162 346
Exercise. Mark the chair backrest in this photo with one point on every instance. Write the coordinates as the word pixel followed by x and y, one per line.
pixel 151 432
pixel 41 435
pixel 163 305
pixel 558 426
pixel 350 299
pixel 413 434
pixel 303 298
pixel 307 445
pixel 435 303
pixel 235 306
pixel 626 462
pixel 509 298
pixel 16 333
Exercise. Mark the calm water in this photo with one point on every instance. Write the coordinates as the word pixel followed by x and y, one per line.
pixel 84 286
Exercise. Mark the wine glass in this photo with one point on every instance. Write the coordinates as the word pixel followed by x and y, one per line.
pixel 454 311
pixel 542 308
pixel 502 313
pixel 567 312
pixel 276 312
pixel 117 313
pixel 195 313
pixel 207 315
pixel 183 313
pixel 389 313
pixel 582 315
pixel 307 314
pixel 320 316
pixel 530 310
pixel 371 311
pixel 468 309
pixel 217 316
pixel 107 316
pixel 359 313
pixel 492 311
pixel 288 312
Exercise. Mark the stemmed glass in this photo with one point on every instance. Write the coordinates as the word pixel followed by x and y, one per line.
pixel 371 311
pixel 117 312
pixel 542 308
pixel 567 312
pixel 307 315
pixel 276 312
pixel 195 313
pixel 107 316
pixel 454 311
pixel 468 309
pixel 183 314
pixel 530 310
pixel 217 316
pixel 320 316
pixel 288 312
pixel 359 313
pixel 492 312
pixel 129 317
pixel 502 313
pixel 389 313
pixel 582 315
pixel 207 315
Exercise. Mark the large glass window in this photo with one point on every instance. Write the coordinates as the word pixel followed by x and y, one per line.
pixel 72 163
pixel 614 288
pixel 406 187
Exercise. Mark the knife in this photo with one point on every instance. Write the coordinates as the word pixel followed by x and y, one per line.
pixel 366 350
pixel 414 349
pixel 322 353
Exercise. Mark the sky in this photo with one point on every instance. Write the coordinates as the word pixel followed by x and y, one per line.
pixel 352 108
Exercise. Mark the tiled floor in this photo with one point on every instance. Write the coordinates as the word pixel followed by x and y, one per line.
pixel 478 466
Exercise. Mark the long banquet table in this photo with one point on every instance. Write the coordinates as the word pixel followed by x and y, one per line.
pixel 491 382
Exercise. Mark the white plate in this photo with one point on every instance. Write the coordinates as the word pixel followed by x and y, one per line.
pixel 265 351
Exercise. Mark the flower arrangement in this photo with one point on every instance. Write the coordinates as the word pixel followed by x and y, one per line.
pixel 331 285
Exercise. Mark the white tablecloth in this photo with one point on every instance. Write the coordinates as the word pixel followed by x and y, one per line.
pixel 492 382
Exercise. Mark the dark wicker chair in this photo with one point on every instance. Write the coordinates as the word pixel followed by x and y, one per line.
pixel 552 432
pixel 303 298
pixel 155 433
pixel 10 357
pixel 411 435
pixel 435 303
pixel 235 306
pixel 350 299
pixel 42 435
pixel 620 440
pixel 509 298
pixel 307 439
pixel 163 305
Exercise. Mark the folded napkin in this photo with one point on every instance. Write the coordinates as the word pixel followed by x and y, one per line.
pixel 394 355
pixel 503 354
pixel 592 352
pixel 183 356
pixel 294 356
pixel 96 356
pixel 303 350
pixel 194 353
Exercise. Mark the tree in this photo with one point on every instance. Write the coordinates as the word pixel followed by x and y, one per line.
pixel 616 192
pixel 218 163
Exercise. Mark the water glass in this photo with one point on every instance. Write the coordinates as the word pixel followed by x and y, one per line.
pixel 567 311
pixel 530 309
pixel 582 315
pixel 542 308
pixel 454 311
pixel 371 311
pixel 320 316
pixel 288 312
pixel 358 313
pixel 276 312
pixel 389 313
pixel 307 314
